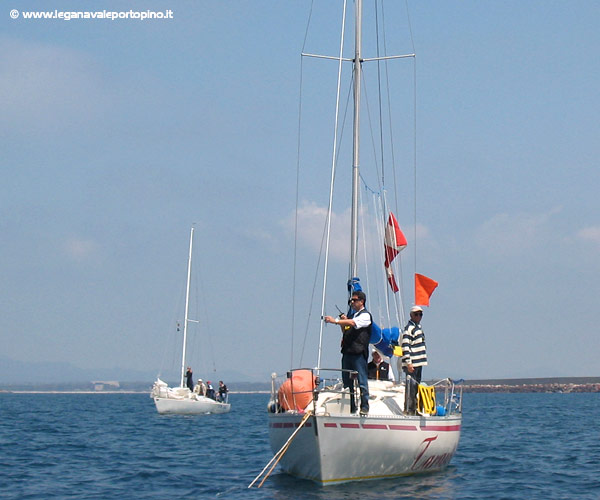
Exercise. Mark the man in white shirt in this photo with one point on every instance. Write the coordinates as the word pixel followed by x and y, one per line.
pixel 356 334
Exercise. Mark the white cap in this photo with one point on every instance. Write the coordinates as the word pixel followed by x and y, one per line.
pixel 416 309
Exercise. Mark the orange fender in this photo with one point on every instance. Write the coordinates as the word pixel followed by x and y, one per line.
pixel 297 392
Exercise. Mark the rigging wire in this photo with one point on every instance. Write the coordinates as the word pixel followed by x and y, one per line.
pixel 397 267
pixel 205 323
pixel 321 252
pixel 333 161
pixel 389 104
pixel 171 352
pixel 380 211
pixel 379 97
pixel 295 259
pixel 412 41
pixel 382 29
pixel 324 234
pixel 380 196
pixel 313 293
pixel 332 180
pixel 371 130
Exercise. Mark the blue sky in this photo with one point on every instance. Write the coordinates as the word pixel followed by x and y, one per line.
pixel 118 135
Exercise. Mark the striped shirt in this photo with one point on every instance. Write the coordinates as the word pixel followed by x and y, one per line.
pixel 414 351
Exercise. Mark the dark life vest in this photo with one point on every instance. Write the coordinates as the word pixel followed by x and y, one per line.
pixel 356 340
pixel 379 373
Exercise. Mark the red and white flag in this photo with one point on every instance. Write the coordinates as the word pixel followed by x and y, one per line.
pixel 394 243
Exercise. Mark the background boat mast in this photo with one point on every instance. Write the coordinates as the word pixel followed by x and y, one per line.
pixel 187 303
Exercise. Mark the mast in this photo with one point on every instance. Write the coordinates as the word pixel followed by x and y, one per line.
pixel 187 301
pixel 356 138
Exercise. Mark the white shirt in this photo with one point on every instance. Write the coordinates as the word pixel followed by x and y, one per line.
pixel 361 319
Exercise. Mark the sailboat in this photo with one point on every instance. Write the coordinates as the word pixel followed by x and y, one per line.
pixel 313 433
pixel 181 400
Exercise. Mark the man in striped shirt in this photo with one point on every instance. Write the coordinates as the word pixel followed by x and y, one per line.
pixel 414 356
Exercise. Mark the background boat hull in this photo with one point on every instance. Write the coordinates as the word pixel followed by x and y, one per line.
pixel 190 406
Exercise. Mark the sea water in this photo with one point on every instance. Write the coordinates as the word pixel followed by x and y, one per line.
pixel 116 446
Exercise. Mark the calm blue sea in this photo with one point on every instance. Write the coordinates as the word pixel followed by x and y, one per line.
pixel 115 446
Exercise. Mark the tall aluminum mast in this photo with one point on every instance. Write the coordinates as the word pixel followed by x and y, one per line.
pixel 356 133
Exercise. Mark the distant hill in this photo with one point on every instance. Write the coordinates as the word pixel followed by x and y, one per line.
pixel 17 372
pixel 14 372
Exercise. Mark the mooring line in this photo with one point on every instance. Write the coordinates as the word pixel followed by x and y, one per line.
pixel 280 453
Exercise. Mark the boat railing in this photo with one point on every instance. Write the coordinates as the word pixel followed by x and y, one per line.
pixel 455 399
pixel 302 386
pixel 452 390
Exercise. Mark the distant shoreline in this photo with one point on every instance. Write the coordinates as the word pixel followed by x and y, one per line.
pixel 532 385
pixel 522 385
pixel 39 391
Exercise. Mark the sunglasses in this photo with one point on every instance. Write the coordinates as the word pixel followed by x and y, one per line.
pixel 418 313
pixel 354 300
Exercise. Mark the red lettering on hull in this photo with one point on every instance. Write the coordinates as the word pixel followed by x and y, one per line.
pixel 423 462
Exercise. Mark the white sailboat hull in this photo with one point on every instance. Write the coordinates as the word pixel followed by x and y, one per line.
pixel 181 401
pixel 335 449
pixel 188 406
pixel 335 446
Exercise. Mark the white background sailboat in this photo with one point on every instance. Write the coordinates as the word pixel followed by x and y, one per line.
pixel 181 400
pixel 312 431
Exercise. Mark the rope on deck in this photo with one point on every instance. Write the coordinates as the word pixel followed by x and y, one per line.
pixel 280 453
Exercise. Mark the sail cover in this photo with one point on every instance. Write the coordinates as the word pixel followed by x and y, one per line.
pixel 384 338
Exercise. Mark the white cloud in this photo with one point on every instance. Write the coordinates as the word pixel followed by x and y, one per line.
pixel 512 234
pixel 48 90
pixel 311 226
pixel 260 235
pixel 590 233
pixel 79 249
pixel 47 87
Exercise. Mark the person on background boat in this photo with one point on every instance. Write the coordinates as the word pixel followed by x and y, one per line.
pixel 356 333
pixel 210 391
pixel 378 369
pixel 414 356
pixel 222 392
pixel 189 379
pixel 200 388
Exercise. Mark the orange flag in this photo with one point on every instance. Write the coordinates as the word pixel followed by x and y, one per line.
pixel 424 287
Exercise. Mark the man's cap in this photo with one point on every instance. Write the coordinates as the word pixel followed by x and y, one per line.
pixel 414 309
